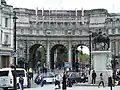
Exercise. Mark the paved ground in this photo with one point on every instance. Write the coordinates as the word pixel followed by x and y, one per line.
pixel 52 87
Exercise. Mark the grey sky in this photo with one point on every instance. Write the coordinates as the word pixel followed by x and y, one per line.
pixel 110 5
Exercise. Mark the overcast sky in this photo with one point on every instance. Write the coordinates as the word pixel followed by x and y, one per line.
pixel 110 5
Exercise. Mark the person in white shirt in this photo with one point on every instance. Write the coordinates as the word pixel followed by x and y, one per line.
pixel 101 80
pixel 57 81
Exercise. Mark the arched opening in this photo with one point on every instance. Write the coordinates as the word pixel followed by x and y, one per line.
pixel 37 56
pixel 80 57
pixel 58 56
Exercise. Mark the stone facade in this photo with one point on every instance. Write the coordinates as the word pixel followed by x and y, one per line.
pixel 57 27
pixel 63 27
pixel 6 34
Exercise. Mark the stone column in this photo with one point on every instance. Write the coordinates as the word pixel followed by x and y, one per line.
pixel 117 47
pixel 48 55
pixel 0 25
pixel 69 52
pixel 0 62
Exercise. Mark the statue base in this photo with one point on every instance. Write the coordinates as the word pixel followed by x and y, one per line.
pixel 100 62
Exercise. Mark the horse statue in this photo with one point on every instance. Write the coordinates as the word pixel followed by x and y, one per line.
pixel 100 41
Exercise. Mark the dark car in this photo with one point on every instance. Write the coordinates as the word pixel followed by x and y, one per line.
pixel 76 77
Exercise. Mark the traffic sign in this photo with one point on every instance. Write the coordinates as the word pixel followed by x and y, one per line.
pixel 13 54
pixel 68 64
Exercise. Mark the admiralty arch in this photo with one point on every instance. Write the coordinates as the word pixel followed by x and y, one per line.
pixel 67 28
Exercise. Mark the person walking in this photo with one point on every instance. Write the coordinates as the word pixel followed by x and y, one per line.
pixel 94 77
pixel 30 72
pixel 101 80
pixel 42 81
pixel 57 81
pixel 64 86
pixel 21 82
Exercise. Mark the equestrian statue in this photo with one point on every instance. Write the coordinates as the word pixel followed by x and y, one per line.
pixel 100 41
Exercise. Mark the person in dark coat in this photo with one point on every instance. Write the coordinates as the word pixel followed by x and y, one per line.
pixel 69 83
pixel 64 83
pixel 42 81
pixel 94 77
pixel 21 82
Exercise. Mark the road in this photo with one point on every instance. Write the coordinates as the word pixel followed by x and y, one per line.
pixel 52 87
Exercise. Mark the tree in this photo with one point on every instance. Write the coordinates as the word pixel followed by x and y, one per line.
pixel 83 57
pixel 61 56
pixel 41 56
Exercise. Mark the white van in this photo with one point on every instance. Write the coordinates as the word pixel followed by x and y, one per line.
pixel 6 77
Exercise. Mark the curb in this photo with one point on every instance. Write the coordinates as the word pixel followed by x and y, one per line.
pixel 79 84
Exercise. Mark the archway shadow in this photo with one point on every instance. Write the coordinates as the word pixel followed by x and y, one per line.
pixel 32 55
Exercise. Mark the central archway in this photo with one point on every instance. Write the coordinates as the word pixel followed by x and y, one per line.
pixel 58 55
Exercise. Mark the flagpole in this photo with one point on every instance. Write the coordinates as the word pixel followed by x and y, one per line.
pixel 63 19
pixel 36 16
pixel 43 18
pixel 82 16
pixel 70 18
pixel 49 17
pixel 76 18
pixel 56 19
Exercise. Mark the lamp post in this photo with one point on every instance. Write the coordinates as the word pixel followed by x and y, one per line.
pixel 114 52
pixel 81 53
pixel 26 55
pixel 14 36
pixel 90 48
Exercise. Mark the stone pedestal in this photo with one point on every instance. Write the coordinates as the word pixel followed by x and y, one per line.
pixel 101 63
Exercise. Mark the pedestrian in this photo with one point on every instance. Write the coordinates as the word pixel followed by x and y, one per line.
pixel 57 81
pixel 94 77
pixel 21 82
pixel 30 72
pixel 69 83
pixel 83 78
pixel 29 80
pixel 42 81
pixel 101 80
pixel 64 86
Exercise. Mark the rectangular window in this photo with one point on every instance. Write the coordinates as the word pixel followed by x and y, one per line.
pixel 19 73
pixel 4 73
pixel 6 39
pixel 22 31
pixel 6 22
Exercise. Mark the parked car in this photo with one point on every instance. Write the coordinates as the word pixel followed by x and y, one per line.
pixel 76 77
pixel 7 77
pixel 47 78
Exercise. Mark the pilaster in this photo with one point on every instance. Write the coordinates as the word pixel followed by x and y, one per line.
pixel 69 51
pixel 48 54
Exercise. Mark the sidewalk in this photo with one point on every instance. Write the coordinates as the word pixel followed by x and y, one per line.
pixel 86 84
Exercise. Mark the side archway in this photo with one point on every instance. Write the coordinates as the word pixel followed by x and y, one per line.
pixel 80 56
pixel 37 56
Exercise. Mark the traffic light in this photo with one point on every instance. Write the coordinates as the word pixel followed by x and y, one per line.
pixel 114 63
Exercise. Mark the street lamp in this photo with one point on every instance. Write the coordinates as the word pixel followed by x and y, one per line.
pixel 14 36
pixel 90 48
pixel 26 56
